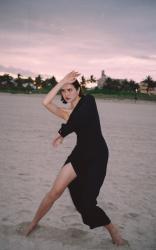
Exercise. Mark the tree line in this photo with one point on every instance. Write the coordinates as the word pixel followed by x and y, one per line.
pixel 8 82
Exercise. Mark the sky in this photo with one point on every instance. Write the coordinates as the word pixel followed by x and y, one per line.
pixel 54 37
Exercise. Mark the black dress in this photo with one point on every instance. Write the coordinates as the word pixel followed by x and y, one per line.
pixel 89 160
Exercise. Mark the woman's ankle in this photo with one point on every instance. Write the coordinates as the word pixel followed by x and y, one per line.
pixel 110 227
pixel 114 233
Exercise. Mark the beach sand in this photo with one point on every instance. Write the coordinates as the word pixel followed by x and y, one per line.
pixel 29 165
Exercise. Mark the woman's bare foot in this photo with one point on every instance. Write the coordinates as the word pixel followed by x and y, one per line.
pixel 30 228
pixel 115 235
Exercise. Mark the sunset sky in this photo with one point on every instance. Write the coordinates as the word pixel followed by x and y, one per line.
pixel 53 37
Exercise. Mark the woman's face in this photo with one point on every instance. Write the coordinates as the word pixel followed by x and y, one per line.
pixel 69 93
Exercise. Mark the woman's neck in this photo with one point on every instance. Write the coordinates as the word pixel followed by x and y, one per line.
pixel 74 103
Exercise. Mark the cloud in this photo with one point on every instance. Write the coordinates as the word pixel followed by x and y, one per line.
pixel 13 70
pixel 57 36
pixel 146 57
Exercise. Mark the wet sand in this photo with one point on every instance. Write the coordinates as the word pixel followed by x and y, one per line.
pixel 29 165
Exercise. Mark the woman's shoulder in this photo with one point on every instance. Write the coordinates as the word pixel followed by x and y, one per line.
pixel 89 98
pixel 87 101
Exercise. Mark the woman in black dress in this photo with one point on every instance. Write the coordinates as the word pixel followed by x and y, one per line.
pixel 85 168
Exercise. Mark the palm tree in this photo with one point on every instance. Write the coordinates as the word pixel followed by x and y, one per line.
pixel 6 80
pixel 49 82
pixel 150 83
pixel 83 82
pixel 19 81
pixel 92 78
pixel 38 82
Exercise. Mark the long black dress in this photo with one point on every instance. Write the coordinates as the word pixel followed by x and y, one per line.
pixel 89 160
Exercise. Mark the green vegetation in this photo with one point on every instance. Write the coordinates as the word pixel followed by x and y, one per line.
pixel 121 95
pixel 113 88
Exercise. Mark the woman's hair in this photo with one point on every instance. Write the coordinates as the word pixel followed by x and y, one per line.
pixel 77 86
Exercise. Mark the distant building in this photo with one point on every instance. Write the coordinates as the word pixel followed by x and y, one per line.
pixel 31 85
pixel 101 82
pixel 91 85
pixel 144 88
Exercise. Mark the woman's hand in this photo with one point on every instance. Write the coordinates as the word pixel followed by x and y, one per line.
pixel 70 77
pixel 48 100
pixel 57 140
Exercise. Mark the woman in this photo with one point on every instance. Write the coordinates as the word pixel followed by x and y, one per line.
pixel 85 168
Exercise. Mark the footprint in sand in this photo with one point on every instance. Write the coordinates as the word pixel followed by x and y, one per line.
pixel 5 219
pixel 68 237
pixel 48 232
pixel 132 216
pixel 21 228
pixel 107 245
pixel 71 218
pixel 111 206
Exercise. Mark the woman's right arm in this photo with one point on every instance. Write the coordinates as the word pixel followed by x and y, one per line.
pixel 50 105
pixel 48 100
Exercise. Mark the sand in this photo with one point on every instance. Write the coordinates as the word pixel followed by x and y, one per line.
pixel 29 165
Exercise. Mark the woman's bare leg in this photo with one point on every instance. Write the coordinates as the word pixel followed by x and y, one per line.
pixel 65 176
pixel 115 235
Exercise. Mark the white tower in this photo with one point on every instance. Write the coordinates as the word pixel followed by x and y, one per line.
pixel 102 81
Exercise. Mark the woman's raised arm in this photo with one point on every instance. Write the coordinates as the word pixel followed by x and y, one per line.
pixel 48 100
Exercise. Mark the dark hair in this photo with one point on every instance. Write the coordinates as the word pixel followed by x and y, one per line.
pixel 77 86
